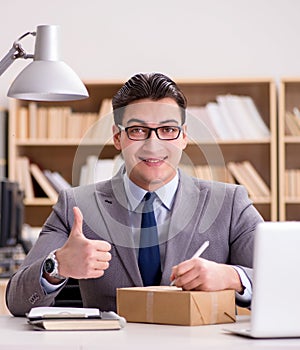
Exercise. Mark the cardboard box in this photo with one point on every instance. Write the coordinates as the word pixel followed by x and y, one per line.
pixel 171 305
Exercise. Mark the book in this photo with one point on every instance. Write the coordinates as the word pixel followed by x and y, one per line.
pixel 43 182
pixel 245 174
pixel 105 107
pixel 74 126
pixel 291 127
pixel 83 177
pixel 241 177
pixel 95 170
pixel 255 115
pixel 101 130
pixel 42 127
pixel 23 177
pixel 57 180
pixel 292 184
pixel 262 188
pixel 199 125
pixel 217 120
pixel 22 131
pixel 91 163
pixel 229 118
pixel 244 121
pixel 32 120
pixel 70 318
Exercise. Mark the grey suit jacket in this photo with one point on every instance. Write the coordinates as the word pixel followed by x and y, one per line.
pixel 202 210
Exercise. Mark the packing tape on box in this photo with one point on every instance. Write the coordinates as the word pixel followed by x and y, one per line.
pixel 213 317
pixel 149 307
pixel 214 308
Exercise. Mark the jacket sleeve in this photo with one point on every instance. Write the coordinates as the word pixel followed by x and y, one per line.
pixel 243 224
pixel 24 289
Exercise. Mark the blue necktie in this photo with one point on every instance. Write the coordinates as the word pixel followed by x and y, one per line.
pixel 149 257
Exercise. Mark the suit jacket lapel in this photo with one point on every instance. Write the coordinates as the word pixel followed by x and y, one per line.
pixel 113 207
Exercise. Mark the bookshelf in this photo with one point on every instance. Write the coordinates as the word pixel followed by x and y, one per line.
pixel 59 154
pixel 260 152
pixel 288 150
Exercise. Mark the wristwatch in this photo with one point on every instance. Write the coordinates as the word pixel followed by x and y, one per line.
pixel 51 266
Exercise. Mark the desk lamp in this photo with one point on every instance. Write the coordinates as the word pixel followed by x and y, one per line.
pixel 47 78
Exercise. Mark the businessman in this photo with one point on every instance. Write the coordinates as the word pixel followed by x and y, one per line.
pixel 144 225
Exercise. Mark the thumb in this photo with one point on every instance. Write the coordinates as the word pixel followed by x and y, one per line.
pixel 77 224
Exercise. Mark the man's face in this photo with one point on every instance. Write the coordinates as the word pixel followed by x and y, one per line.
pixel 151 163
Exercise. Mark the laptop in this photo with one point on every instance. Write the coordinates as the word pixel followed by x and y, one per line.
pixel 275 307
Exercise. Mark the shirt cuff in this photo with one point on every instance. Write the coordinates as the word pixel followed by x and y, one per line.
pixel 244 299
pixel 49 287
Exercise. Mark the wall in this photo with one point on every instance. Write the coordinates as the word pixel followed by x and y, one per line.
pixel 191 38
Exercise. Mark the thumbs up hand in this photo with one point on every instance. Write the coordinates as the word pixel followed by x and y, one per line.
pixel 81 257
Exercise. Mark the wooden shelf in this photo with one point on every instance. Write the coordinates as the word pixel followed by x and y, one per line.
pixel 59 154
pixel 291 139
pixel 38 202
pixel 76 142
pixel 49 142
pixel 288 150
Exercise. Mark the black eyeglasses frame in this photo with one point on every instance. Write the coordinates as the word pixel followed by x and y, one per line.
pixel 123 128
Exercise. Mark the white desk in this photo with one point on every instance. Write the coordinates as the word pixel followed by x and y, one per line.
pixel 16 334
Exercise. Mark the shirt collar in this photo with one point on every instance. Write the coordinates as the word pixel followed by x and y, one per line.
pixel 135 194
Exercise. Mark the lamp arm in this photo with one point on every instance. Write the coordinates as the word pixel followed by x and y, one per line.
pixel 15 52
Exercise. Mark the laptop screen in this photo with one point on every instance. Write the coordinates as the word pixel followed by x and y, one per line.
pixel 275 305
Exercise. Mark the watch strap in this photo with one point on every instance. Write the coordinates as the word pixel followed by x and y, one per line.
pixel 54 273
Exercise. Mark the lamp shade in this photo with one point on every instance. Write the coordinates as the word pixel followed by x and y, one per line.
pixel 47 78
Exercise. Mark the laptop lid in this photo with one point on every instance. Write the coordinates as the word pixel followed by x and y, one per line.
pixel 275 308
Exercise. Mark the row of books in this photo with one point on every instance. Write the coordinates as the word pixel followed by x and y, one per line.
pixel 95 170
pixel 57 123
pixel 209 172
pixel 243 173
pixel 38 183
pixel 230 117
pixel 292 183
pixel 292 122
pixel 246 174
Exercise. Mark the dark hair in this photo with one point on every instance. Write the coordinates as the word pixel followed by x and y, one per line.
pixel 154 86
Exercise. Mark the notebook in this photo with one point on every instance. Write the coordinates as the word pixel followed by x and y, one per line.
pixel 275 308
pixel 68 318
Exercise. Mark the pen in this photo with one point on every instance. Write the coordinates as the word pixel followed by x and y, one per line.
pixel 198 253
pixel 201 250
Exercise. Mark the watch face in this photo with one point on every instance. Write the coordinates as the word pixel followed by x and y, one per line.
pixel 49 265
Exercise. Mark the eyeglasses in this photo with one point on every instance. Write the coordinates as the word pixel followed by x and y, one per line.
pixel 140 133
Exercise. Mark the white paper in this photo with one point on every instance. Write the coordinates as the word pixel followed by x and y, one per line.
pixel 48 312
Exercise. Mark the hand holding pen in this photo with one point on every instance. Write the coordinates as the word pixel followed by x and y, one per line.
pixel 198 253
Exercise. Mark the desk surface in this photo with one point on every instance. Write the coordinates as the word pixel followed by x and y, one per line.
pixel 16 334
